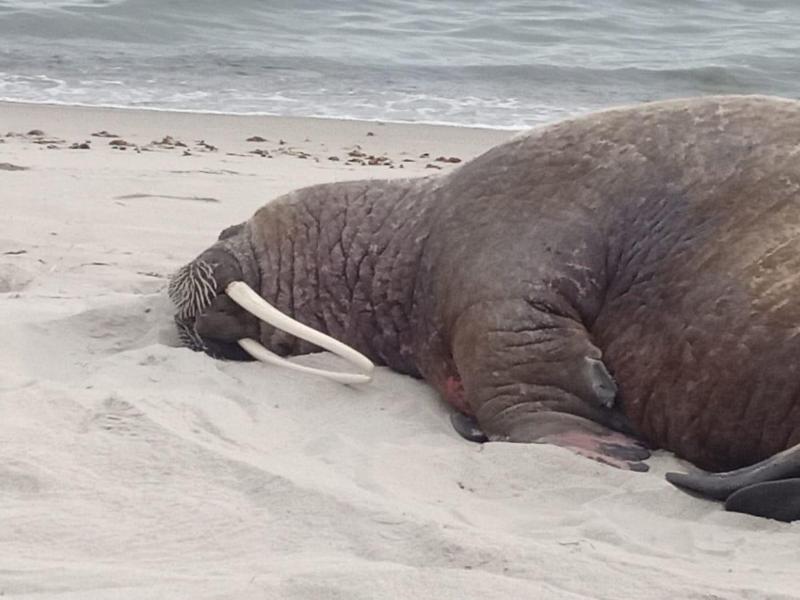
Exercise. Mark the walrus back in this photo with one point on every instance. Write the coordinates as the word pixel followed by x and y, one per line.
pixel 671 230
pixel 701 321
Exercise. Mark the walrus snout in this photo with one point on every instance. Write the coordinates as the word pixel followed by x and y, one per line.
pixel 225 321
pixel 206 319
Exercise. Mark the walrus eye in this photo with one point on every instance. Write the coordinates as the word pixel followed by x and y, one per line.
pixel 244 296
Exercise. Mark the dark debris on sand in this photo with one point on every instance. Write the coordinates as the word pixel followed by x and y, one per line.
pixel 354 156
pixel 105 134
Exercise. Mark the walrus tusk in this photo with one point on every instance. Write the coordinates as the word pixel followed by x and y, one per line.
pixel 719 486
pixel 244 296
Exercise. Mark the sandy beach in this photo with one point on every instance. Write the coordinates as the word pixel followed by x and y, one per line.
pixel 136 469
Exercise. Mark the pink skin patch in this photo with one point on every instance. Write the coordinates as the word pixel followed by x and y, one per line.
pixel 455 396
pixel 615 449
pixel 610 448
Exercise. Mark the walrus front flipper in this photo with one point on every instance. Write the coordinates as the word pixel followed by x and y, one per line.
pixel 779 500
pixel 610 447
pixel 468 428
pixel 530 374
pixel 719 486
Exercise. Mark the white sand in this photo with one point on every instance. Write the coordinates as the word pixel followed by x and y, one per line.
pixel 134 469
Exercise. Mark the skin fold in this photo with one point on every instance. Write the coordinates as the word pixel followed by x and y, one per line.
pixel 629 273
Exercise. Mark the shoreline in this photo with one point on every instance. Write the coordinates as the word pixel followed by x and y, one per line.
pixel 114 107
pixel 180 178
pixel 393 145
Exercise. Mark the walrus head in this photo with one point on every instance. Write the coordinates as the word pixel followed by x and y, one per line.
pixel 217 311
pixel 198 292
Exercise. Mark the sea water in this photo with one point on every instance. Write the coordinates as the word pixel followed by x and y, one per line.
pixel 502 63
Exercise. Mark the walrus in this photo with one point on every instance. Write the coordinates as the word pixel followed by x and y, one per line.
pixel 612 283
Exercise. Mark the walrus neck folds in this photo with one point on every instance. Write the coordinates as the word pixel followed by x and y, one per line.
pixel 314 258
pixel 320 263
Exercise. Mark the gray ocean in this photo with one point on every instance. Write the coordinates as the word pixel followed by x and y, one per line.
pixel 501 63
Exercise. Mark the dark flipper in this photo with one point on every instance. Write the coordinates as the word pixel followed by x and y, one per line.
pixel 467 427
pixel 719 486
pixel 779 500
pixel 531 374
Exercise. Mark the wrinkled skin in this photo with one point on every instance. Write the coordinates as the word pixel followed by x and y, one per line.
pixel 658 243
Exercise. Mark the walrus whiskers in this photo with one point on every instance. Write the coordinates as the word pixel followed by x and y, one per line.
pixel 192 289
pixel 188 336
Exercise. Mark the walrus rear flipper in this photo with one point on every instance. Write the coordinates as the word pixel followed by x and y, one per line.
pixel 779 500
pixel 720 486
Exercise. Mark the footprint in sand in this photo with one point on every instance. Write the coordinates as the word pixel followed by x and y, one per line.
pixel 14 278
pixel 15 479
pixel 120 417
pixel 119 326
